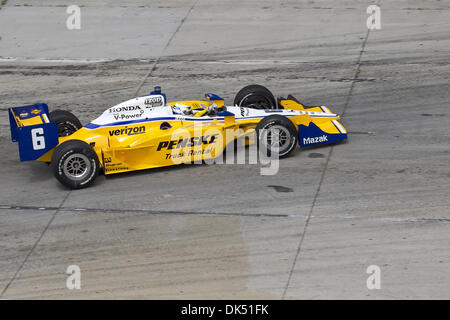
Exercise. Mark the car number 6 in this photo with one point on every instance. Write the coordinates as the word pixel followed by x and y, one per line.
pixel 37 137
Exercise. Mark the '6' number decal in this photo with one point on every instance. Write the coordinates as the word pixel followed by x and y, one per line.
pixel 37 137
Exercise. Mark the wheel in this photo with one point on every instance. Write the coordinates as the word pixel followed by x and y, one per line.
pixel 66 121
pixel 256 97
pixel 75 164
pixel 277 131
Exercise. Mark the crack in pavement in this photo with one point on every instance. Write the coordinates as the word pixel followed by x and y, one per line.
pixel 57 209
pixel 316 195
pixel 152 68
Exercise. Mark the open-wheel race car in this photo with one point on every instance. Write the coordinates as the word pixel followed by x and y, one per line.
pixel 149 132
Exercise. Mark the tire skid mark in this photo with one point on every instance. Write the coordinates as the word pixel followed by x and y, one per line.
pixel 241 214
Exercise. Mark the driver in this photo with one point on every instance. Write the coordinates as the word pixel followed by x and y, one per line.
pixel 184 109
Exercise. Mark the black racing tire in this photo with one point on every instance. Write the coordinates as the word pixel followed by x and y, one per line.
pixel 256 97
pixel 287 134
pixel 75 164
pixel 66 121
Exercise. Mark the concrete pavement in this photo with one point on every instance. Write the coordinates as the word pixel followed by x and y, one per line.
pixel 198 231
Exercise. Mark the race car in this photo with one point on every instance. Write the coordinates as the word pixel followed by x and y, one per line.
pixel 149 132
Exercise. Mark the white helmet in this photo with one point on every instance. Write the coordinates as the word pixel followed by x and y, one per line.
pixel 180 108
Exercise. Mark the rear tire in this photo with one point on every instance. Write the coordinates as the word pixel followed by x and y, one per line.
pixel 256 97
pixel 75 164
pixel 277 130
pixel 66 121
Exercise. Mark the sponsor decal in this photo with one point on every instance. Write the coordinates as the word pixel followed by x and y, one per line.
pixel 310 140
pixel 186 142
pixel 244 112
pixel 124 116
pixel 153 101
pixel 109 165
pixel 127 131
pixel 116 169
pixel 108 160
pixel 24 115
pixel 189 154
pixel 35 111
pixel 123 109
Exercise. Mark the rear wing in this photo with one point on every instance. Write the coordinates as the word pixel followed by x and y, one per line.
pixel 32 129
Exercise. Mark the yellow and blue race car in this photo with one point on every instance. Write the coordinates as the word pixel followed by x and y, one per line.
pixel 149 132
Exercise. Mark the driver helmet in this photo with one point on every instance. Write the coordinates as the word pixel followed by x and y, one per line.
pixel 179 108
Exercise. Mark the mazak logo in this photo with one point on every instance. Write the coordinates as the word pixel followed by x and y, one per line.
pixel 127 131
pixel 122 109
pixel 187 142
pixel 310 140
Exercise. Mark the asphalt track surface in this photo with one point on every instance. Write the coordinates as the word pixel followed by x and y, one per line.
pixel 225 231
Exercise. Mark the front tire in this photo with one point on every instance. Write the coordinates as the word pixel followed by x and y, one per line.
pixel 75 164
pixel 277 132
pixel 66 121
pixel 256 97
